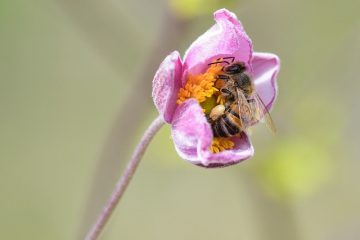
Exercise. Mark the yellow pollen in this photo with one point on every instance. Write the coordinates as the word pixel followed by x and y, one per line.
pixel 220 144
pixel 202 88
pixel 220 100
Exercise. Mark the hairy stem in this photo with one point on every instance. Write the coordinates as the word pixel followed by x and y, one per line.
pixel 124 180
pixel 105 175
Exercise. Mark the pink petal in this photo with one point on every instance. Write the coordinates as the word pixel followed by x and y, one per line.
pixel 166 85
pixel 190 130
pixel 192 137
pixel 226 38
pixel 242 150
pixel 265 69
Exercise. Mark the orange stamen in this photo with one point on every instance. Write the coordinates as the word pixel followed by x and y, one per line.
pixel 200 86
pixel 220 144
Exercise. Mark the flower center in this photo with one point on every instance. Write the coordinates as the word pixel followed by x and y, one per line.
pixel 200 86
pixel 203 88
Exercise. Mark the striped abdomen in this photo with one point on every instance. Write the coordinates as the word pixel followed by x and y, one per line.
pixel 229 124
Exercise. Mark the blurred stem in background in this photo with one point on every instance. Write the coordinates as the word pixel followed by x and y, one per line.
pixel 125 179
pixel 109 163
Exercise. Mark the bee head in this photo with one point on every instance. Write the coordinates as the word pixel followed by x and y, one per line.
pixel 235 68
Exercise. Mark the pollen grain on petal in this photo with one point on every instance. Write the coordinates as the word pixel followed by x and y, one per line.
pixel 220 144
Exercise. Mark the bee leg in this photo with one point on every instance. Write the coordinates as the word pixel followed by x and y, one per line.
pixel 222 77
pixel 227 105
pixel 208 118
pixel 217 112
pixel 227 94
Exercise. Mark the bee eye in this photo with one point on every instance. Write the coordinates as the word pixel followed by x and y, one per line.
pixel 234 68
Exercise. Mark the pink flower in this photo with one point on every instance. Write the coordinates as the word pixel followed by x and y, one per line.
pixel 191 132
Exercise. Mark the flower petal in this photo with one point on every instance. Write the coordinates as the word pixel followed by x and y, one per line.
pixel 192 137
pixel 242 150
pixel 190 130
pixel 166 85
pixel 265 69
pixel 226 38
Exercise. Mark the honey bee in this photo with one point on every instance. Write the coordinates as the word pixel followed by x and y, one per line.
pixel 242 105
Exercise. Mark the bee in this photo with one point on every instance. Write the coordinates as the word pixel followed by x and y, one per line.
pixel 242 106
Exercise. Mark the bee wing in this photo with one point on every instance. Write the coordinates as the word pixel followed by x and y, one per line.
pixel 244 108
pixel 260 106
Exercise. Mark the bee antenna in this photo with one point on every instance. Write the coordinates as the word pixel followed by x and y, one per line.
pixel 219 62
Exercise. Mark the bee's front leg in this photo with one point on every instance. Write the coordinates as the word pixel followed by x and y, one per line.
pixel 227 94
pixel 222 77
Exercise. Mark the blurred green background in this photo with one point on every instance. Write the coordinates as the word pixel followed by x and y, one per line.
pixel 75 97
